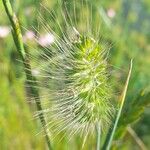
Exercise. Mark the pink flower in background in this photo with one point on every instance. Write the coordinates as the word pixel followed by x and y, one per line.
pixel 46 39
pixel 111 13
pixel 4 31
pixel 29 35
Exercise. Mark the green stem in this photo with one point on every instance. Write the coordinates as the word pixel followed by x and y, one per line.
pixel 30 78
pixel 112 130
pixel 98 136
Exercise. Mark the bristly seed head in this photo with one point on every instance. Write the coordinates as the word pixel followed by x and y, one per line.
pixel 77 85
pixel 74 74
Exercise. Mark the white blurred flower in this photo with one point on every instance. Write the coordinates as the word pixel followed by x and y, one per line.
pixel 111 13
pixel 4 31
pixel 28 11
pixel 35 72
pixel 46 39
pixel 29 35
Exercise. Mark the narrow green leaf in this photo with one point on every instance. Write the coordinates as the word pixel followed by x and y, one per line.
pixel 111 131
pixel 133 111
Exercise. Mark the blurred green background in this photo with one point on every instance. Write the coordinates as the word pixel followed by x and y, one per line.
pixel 125 25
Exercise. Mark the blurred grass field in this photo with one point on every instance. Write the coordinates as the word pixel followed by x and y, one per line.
pixel 125 23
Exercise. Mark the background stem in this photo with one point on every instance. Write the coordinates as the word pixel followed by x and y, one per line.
pixel 17 36
pixel 136 138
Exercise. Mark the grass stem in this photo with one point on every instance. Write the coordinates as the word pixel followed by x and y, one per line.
pixel 16 31
pixel 98 136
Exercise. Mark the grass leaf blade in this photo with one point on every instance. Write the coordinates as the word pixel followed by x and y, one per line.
pixel 111 131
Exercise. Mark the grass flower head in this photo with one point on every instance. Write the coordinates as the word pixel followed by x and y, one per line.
pixel 74 78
